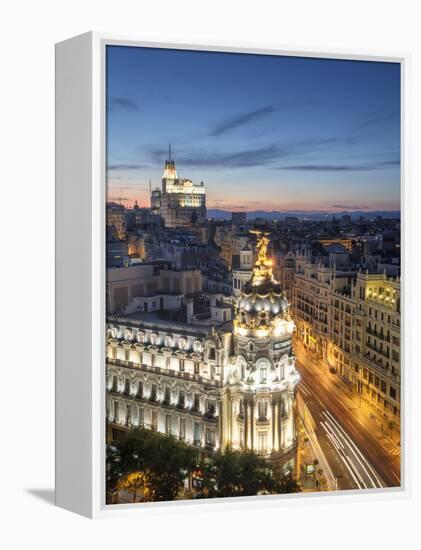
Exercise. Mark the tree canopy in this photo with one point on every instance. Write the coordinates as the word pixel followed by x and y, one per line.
pixel 154 467
pixel 241 473
pixel 163 460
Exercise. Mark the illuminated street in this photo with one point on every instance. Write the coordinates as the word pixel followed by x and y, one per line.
pixel 358 454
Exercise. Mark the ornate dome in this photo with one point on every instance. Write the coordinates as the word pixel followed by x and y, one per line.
pixel 262 305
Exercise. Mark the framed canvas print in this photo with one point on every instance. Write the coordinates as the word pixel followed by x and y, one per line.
pixel 230 275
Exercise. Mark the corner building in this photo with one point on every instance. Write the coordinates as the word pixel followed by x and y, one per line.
pixel 231 386
pixel 259 385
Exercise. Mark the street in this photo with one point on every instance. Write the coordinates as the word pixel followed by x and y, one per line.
pixel 358 454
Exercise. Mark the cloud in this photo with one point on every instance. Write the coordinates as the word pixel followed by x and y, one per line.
pixel 241 120
pixel 117 188
pixel 349 207
pixel 216 159
pixel 124 103
pixel 113 167
pixel 340 167
pixel 393 162
pixel 271 155
pixel 246 158
pixel 375 121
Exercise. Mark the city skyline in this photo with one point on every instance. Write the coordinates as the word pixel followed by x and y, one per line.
pixel 288 133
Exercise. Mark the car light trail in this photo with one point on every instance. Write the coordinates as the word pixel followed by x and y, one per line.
pixel 365 466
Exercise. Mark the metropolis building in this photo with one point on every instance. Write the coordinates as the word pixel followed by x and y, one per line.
pixel 215 386
pixel 182 202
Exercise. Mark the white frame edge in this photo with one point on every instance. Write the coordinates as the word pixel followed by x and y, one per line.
pixel 80 277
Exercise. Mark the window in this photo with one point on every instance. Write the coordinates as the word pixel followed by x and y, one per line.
pixel 140 390
pixel 182 428
pixel 114 387
pixel 210 438
pixel 263 374
pixel 262 442
pixel 197 433
pixel 181 399
pixel 167 395
pixel 196 368
pixel 263 410
pixel 211 408
pixel 141 417
pixel 212 354
pixel 196 402
pixel 154 420
pixel 153 392
pixel 127 386
pixel 168 424
pixel 128 415
pixel 392 392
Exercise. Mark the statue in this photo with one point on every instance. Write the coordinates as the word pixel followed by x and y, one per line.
pixel 263 267
pixel 262 245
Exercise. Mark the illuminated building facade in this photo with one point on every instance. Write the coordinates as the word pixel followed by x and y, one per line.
pixel 182 202
pixel 259 384
pixel 116 221
pixel 225 385
pixel 351 321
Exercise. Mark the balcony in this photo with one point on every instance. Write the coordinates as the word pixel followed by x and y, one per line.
pixel 373 364
pixel 378 335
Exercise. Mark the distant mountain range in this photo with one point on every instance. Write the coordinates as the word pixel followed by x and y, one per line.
pixel 302 214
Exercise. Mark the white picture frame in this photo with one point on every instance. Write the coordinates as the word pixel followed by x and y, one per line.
pixel 80 276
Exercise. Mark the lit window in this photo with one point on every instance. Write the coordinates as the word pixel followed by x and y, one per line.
pixel 263 410
pixel 262 442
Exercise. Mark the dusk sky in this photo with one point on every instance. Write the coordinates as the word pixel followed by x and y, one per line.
pixel 262 132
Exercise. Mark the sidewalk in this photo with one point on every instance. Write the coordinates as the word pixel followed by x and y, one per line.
pixel 307 459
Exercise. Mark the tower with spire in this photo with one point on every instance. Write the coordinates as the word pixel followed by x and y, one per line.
pixel 183 203
pixel 259 387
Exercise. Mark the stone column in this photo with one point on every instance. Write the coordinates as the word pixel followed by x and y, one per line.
pixel 276 421
pixel 253 425
pixel 290 423
pixel 248 425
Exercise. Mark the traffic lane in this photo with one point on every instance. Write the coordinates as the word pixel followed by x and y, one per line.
pixel 386 465
pixel 359 413
pixel 362 472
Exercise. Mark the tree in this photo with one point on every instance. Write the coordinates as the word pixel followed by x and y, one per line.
pixel 135 483
pixel 160 462
pixel 235 473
